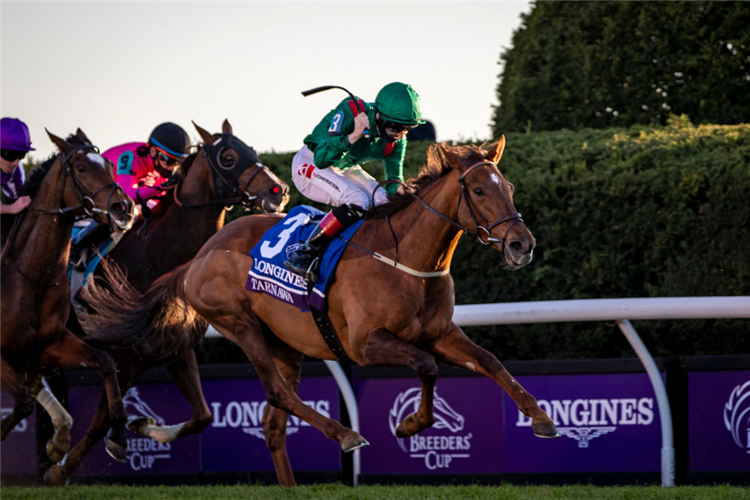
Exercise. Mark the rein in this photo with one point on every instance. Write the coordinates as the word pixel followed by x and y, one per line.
pixel 515 218
pixel 243 197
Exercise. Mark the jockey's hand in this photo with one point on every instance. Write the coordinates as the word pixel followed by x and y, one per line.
pixel 361 123
pixel 17 206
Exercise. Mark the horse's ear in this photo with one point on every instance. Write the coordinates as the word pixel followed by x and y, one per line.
pixel 496 151
pixel 226 127
pixel 453 159
pixel 58 141
pixel 207 137
pixel 80 134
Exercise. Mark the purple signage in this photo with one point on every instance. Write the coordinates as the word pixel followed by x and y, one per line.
pixel 161 402
pixel 609 422
pixel 18 451
pixel 719 420
pixel 235 441
pixel 466 436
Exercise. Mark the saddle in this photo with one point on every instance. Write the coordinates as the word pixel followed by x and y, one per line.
pixel 269 275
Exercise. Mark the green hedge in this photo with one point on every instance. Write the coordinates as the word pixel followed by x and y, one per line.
pixel 639 212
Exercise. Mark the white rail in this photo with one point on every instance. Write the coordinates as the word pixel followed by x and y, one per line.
pixel 563 311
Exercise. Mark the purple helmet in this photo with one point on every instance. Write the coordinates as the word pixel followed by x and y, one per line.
pixel 14 134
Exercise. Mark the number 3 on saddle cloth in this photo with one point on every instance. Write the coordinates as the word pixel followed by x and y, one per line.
pixel 268 273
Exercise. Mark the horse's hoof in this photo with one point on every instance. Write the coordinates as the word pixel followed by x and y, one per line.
pixel 353 442
pixel 116 451
pixel 545 430
pixel 139 423
pixel 59 444
pixel 54 476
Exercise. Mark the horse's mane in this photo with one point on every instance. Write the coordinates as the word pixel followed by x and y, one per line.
pixel 437 167
pixel 34 182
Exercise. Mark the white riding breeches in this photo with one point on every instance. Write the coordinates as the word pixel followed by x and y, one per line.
pixel 334 186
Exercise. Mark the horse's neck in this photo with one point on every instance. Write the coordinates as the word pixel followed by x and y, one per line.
pixel 426 241
pixel 41 245
pixel 174 235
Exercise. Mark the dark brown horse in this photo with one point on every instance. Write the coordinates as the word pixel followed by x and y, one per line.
pixel 35 291
pixel 223 172
pixel 382 314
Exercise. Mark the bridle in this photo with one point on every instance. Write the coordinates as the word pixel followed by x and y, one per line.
pixel 85 197
pixel 480 232
pixel 248 159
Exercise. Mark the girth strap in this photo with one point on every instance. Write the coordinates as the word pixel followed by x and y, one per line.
pixel 323 322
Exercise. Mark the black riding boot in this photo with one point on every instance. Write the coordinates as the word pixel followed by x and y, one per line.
pixel 305 261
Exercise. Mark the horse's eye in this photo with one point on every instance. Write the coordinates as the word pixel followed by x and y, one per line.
pixel 80 167
pixel 227 161
pixel 478 191
pixel 512 187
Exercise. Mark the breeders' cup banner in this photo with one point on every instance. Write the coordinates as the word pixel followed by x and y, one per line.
pixel 609 423
pixel 234 441
pixel 719 420
pixel 18 450
pixel 161 402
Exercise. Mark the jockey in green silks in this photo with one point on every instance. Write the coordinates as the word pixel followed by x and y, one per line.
pixel 327 168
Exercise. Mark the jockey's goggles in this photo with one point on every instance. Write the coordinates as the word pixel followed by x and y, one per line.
pixel 12 154
pixel 166 159
pixel 398 127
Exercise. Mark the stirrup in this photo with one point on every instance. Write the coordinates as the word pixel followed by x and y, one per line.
pixel 311 274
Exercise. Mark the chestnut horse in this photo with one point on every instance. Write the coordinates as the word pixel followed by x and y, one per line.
pixel 385 314
pixel 35 290
pixel 222 172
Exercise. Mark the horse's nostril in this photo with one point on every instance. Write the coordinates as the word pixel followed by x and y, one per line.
pixel 517 247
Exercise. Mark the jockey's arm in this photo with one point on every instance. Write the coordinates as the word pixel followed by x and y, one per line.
pixel 394 165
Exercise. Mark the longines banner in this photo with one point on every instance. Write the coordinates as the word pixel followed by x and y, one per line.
pixel 18 451
pixel 719 420
pixel 233 442
pixel 609 423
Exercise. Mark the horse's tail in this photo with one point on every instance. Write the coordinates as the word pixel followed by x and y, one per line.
pixel 154 325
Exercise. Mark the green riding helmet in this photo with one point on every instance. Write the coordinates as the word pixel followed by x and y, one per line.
pixel 399 102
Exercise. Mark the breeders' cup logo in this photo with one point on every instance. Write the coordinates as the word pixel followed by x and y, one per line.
pixel 737 415
pixel 248 416
pixel 591 418
pixel 437 451
pixel 143 452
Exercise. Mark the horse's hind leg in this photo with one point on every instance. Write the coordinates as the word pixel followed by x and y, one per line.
pixel 185 375
pixel 247 334
pixel 382 348
pixel 289 363
pixel 458 349
pixel 70 351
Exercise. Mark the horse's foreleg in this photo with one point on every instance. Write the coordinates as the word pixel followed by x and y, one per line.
pixel 289 363
pixel 382 348
pixel 59 443
pixel 70 351
pixel 23 402
pixel 58 474
pixel 185 375
pixel 458 349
